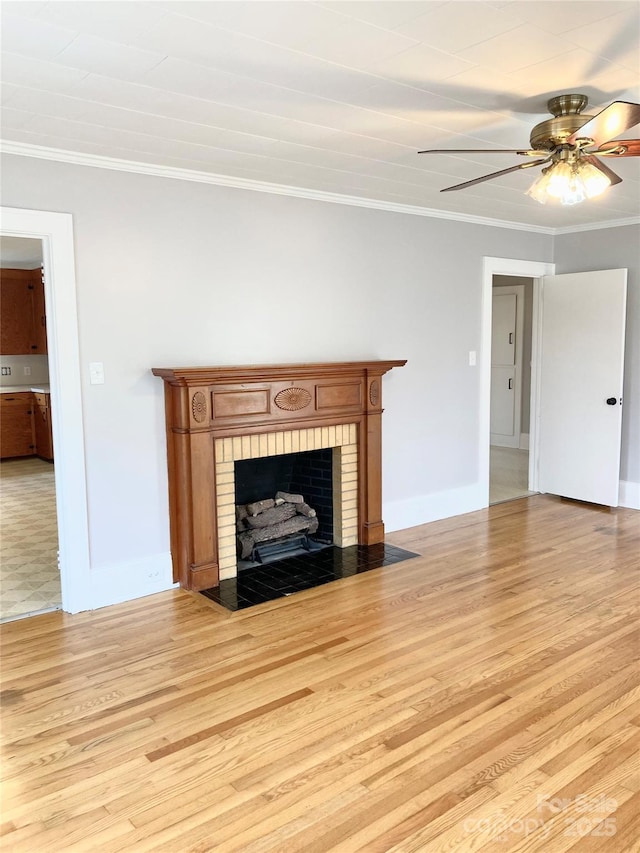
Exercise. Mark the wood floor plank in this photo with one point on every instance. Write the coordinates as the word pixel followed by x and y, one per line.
pixel 404 709
pixel 617 834
pixel 225 725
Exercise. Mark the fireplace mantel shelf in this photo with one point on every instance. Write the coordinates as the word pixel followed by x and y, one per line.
pixel 206 404
pixel 265 372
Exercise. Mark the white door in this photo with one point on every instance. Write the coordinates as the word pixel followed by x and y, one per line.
pixel 506 365
pixel 581 370
pixel 503 343
pixel 503 432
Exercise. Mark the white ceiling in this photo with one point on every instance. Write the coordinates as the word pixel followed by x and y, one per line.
pixel 332 97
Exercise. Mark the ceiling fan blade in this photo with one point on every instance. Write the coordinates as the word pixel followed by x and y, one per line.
pixel 495 175
pixel 480 151
pixel 612 120
pixel 631 148
pixel 615 179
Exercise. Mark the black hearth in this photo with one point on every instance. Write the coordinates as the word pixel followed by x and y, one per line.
pixel 294 574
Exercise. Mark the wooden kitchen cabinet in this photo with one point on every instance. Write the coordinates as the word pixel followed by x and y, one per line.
pixel 42 425
pixel 17 433
pixel 16 312
pixel 38 343
pixel 22 313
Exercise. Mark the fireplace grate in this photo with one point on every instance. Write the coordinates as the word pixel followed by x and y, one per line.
pixel 294 574
pixel 268 552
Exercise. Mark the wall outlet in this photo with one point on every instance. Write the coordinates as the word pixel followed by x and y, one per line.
pixel 27 371
pixel 6 371
pixel 153 575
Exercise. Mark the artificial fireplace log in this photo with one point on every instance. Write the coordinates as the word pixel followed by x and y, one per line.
pixel 272 516
pixel 260 506
pixel 305 509
pixel 298 524
pixel 289 498
pixel 272 523
pixel 241 513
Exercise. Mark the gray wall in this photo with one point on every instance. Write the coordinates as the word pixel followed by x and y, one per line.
pixel 614 248
pixel 175 273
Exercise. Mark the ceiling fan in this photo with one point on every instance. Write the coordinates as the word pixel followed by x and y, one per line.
pixel 569 142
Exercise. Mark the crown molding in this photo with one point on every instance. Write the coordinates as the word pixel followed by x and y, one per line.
pixel 598 226
pixel 25 149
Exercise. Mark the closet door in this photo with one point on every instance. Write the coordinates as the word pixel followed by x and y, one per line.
pixel 505 348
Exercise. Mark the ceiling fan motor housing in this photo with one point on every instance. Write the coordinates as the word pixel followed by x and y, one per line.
pixel 567 118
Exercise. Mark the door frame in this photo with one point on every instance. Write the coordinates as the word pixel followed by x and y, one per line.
pixel 55 230
pixel 529 269
pixel 516 290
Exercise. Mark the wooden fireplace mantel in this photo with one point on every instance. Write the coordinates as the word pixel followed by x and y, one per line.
pixel 206 403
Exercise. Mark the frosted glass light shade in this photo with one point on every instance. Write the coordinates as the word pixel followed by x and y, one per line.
pixel 568 183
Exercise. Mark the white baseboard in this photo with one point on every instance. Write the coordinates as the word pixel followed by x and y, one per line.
pixel 497 440
pixel 399 515
pixel 126 581
pixel 629 495
pixel 520 442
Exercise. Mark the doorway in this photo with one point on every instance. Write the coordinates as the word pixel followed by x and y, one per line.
pixel 600 296
pixel 29 572
pixel 55 232
pixel 533 271
pixel 511 334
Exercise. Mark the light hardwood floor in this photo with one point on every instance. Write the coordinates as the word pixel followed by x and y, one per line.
pixel 481 697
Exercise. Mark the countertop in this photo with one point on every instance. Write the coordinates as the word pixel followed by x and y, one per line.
pixel 21 389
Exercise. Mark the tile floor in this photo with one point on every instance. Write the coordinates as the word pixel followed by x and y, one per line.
pixel 508 474
pixel 29 576
pixel 293 574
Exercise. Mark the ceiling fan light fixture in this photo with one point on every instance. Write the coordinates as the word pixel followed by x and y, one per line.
pixel 576 173
pixel 563 183
pixel 595 182
pixel 568 183
pixel 539 188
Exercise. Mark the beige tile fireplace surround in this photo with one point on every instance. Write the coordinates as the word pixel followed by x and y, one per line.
pixel 217 416
pixel 228 451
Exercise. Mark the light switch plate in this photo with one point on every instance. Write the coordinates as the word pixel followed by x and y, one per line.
pixel 96 373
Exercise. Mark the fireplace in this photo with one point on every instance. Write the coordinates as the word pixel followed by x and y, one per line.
pixel 220 417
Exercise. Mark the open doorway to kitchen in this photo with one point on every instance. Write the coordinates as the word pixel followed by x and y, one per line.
pixel 511 343
pixel 55 233
pixel 29 568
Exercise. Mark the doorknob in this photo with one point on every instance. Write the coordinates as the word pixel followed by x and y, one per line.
pixel 611 401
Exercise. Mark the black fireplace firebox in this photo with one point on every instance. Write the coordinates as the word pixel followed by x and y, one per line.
pixel 309 474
